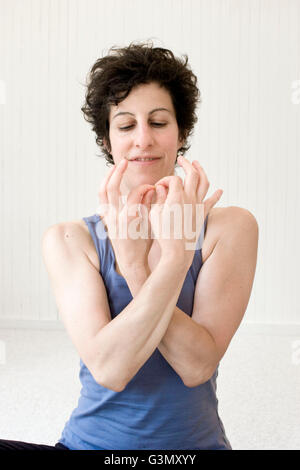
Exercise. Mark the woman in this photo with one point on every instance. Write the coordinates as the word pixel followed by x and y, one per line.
pixel 150 318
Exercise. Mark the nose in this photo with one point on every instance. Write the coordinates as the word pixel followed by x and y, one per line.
pixel 143 136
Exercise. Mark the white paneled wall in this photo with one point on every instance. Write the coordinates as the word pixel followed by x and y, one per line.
pixel 246 54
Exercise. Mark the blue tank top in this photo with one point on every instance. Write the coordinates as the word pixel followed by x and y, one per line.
pixel 155 410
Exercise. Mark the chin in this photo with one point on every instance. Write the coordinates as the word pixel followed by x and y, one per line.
pixel 145 179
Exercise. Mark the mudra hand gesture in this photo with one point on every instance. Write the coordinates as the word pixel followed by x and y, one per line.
pixel 131 225
pixel 126 222
pixel 172 192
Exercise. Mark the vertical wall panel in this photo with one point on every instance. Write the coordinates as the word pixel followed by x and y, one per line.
pixel 246 55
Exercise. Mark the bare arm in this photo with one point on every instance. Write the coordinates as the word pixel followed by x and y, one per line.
pixel 194 345
pixel 129 340
pixel 113 350
pixel 182 340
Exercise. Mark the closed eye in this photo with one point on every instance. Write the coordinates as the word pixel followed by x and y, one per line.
pixel 156 124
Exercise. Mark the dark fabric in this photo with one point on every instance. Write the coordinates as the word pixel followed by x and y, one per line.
pixel 19 445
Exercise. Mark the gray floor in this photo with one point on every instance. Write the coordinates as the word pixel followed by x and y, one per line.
pixel 258 387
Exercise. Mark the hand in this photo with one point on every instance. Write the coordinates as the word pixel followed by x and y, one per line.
pixel 190 206
pixel 122 223
pixel 203 186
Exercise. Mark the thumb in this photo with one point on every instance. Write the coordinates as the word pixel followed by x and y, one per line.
pixel 137 194
pixel 161 193
pixel 147 198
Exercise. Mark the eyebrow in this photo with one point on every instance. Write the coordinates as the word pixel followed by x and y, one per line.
pixel 151 112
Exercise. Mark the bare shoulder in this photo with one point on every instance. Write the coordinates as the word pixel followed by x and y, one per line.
pixel 75 232
pixel 225 221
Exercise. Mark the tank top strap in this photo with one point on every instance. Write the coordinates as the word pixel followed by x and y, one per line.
pixel 202 235
pixel 105 254
pixel 101 242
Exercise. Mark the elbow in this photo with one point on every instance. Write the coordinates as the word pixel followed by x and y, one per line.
pixel 202 378
pixel 195 383
pixel 103 377
pixel 110 384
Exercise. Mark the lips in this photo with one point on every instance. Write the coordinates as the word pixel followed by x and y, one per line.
pixel 143 156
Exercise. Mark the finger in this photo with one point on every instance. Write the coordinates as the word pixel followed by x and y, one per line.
pixel 102 191
pixel 192 176
pixel 175 190
pixel 166 180
pixel 113 185
pixel 161 193
pixel 146 201
pixel 174 179
pixel 147 198
pixel 203 183
pixel 211 201
pixel 136 194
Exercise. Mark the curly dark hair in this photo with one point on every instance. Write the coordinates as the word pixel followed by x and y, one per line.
pixel 113 76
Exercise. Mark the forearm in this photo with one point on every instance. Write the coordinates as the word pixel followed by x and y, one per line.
pixel 136 278
pixel 186 345
pixel 189 349
pixel 126 342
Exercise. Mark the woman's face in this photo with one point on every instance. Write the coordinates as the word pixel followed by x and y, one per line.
pixel 139 127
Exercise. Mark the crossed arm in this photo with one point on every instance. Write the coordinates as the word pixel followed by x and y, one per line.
pixel 194 345
pixel 114 350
